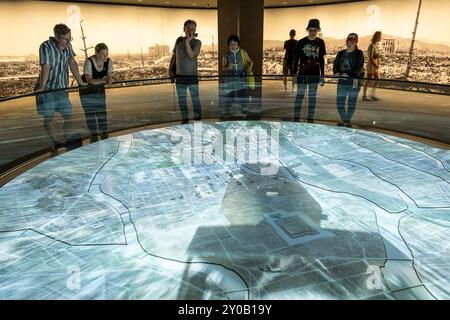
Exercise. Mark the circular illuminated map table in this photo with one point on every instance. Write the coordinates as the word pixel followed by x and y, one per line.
pixel 231 210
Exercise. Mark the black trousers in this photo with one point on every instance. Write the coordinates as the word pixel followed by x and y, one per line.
pixel 304 83
pixel 94 106
pixel 347 90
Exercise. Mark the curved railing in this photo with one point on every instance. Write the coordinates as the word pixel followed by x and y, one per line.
pixel 418 110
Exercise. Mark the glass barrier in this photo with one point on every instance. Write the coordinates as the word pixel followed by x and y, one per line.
pixel 261 199
pixel 36 124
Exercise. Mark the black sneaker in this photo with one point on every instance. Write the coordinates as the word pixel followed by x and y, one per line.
pixel 56 144
pixel 104 135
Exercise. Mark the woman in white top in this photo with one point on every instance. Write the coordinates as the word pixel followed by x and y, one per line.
pixel 373 66
pixel 97 72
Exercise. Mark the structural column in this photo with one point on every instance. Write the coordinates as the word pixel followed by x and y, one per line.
pixel 244 18
pixel 228 24
pixel 251 31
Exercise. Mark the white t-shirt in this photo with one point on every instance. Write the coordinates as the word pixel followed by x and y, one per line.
pixel 88 66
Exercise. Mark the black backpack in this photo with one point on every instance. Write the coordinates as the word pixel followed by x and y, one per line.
pixel 173 68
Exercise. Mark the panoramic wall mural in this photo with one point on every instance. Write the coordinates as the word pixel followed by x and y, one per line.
pixel 395 19
pixel 141 38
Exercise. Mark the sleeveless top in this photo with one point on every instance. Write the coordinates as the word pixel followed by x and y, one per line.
pixel 235 58
pixel 98 74
pixel 98 88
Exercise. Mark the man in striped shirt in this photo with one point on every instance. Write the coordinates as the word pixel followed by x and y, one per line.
pixel 56 56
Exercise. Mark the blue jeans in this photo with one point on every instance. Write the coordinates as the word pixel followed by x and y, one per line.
pixel 347 89
pixel 304 82
pixel 183 84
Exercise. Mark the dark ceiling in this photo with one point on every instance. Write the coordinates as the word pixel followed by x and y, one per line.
pixel 213 3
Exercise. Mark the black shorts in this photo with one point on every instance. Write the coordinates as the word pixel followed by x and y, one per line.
pixel 186 80
pixel 288 69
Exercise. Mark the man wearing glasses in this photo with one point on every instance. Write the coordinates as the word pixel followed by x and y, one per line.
pixel 56 56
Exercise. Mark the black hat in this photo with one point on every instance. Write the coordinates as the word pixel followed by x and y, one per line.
pixel 314 23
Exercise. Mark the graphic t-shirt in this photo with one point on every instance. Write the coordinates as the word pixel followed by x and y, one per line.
pixel 309 57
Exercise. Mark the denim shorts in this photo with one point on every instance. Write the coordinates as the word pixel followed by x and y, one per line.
pixel 48 103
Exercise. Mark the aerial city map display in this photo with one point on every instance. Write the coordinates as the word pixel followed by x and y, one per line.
pixel 231 210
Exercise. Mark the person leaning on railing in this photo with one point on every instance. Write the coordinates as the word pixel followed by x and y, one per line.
pixel 56 56
pixel 97 72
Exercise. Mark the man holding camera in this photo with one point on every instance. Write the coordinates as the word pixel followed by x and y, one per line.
pixel 184 68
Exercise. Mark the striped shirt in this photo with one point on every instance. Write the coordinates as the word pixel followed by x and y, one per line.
pixel 51 54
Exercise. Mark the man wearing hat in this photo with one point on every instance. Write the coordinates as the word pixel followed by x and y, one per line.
pixel 309 65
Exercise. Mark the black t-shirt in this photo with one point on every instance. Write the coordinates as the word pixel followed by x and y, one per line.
pixel 349 63
pixel 309 57
pixel 289 46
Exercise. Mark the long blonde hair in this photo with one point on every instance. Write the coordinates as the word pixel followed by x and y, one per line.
pixel 375 36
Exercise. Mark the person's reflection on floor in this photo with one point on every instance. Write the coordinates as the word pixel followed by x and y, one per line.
pixel 349 66
pixel 56 56
pixel 97 72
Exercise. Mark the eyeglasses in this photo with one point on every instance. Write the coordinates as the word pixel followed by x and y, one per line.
pixel 64 38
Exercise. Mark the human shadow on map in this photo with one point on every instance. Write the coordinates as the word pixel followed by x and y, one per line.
pixel 275 248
